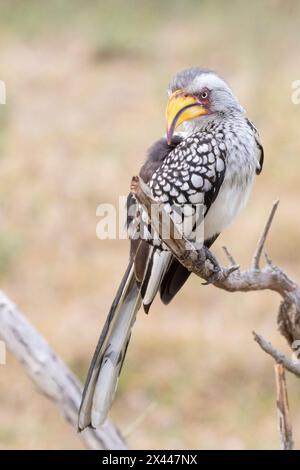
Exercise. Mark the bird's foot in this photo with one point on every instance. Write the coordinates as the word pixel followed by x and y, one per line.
pixel 213 266
pixel 230 270
pixel 217 273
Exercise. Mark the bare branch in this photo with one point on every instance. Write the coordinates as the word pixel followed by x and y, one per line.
pixel 268 259
pixel 263 238
pixel 229 256
pixel 50 375
pixel 271 277
pixel 283 412
pixel 289 364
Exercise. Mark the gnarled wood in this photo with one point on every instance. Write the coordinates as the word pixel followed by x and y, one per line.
pixel 270 277
pixel 50 375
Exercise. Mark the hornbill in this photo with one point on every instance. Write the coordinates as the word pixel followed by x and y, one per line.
pixel 213 164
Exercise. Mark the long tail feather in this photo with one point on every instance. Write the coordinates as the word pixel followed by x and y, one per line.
pixel 110 352
pixel 108 358
pixel 155 272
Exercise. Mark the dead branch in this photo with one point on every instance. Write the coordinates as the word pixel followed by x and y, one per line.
pixel 231 279
pixel 50 375
pixel 230 257
pixel 263 238
pixel 56 381
pixel 270 277
pixel 283 412
pixel 280 358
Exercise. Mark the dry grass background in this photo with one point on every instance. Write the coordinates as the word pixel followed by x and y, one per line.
pixel 86 87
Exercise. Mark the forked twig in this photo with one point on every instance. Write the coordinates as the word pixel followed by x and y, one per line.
pixel 229 255
pixel 279 357
pixel 270 277
pixel 263 238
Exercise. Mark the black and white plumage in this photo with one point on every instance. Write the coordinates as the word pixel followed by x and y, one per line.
pixel 211 164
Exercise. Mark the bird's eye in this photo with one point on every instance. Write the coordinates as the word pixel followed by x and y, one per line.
pixel 204 95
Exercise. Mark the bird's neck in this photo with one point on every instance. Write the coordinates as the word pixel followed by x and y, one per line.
pixel 205 123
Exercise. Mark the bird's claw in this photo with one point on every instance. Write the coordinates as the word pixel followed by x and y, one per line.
pixel 228 271
pixel 211 279
pixel 221 274
pixel 215 270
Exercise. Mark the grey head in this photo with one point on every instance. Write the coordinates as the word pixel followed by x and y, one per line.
pixel 198 82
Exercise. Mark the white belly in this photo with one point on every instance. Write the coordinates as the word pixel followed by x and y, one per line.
pixel 229 202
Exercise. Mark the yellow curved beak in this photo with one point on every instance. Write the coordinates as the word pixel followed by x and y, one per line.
pixel 180 108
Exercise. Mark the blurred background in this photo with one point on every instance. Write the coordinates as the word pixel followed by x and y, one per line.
pixel 86 92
